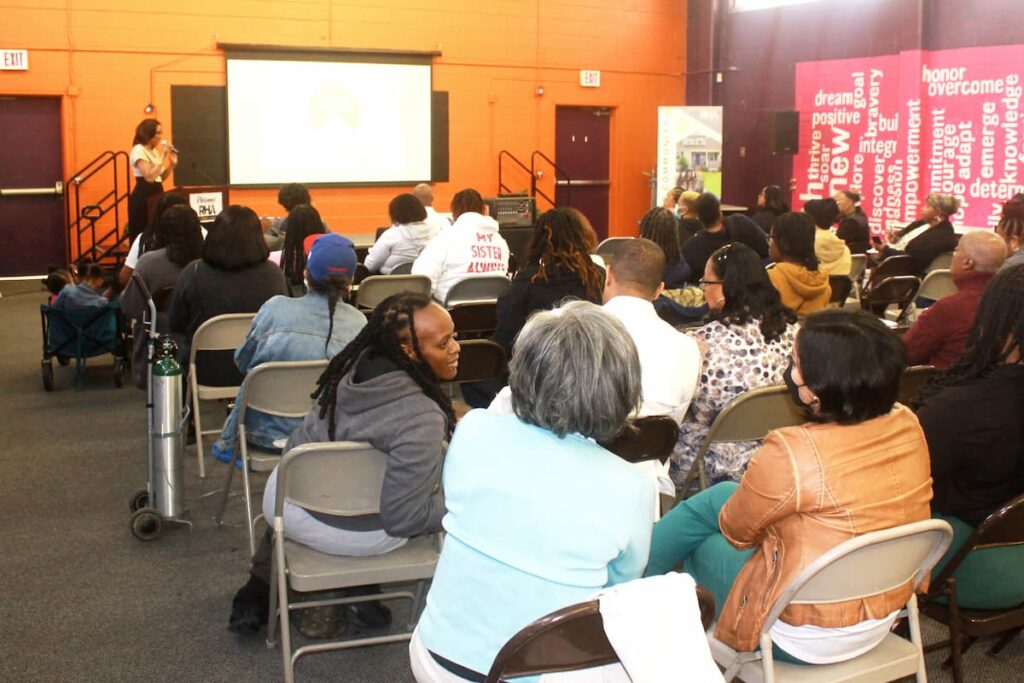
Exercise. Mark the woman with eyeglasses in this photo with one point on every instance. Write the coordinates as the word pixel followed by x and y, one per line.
pixel 748 341
pixel 860 464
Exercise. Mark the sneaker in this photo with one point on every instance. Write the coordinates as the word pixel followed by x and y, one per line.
pixel 250 607
pixel 320 622
pixel 224 455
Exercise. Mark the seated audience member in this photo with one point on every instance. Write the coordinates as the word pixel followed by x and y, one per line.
pixel 86 294
pixel 1011 229
pixel 686 211
pixel 404 240
pixel 311 327
pixel 232 276
pixel 927 237
pixel 389 375
pixel 859 465
pixel 180 238
pixel 853 225
pixel 803 286
pixel 748 342
pixel 669 360
pixel 303 222
pixel 717 232
pixel 971 411
pixel 289 196
pixel 662 228
pixel 425 194
pixel 524 535
pixel 671 198
pixel 833 254
pixel 940 333
pixel 771 204
pixel 472 247
pixel 558 267
pixel 56 279
pixel 148 239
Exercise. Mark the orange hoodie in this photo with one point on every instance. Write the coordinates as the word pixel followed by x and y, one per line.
pixel 804 291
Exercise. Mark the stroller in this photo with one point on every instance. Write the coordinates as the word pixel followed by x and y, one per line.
pixel 79 335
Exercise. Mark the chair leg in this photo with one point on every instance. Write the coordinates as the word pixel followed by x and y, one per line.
pixel 225 494
pixel 246 485
pixel 954 630
pixel 197 422
pixel 417 604
pixel 914 620
pixel 282 601
pixel 1004 640
pixel 272 610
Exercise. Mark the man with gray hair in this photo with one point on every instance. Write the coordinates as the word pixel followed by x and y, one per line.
pixel 425 194
pixel 669 360
pixel 940 333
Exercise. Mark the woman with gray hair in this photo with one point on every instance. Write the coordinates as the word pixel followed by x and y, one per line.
pixel 539 515
pixel 924 239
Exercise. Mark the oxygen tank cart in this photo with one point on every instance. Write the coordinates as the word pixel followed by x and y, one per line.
pixel 163 499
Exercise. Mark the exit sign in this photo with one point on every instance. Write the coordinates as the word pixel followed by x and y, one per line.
pixel 590 79
pixel 13 60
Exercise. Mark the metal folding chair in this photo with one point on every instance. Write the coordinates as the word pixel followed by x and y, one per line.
pixel 477 288
pixel 376 288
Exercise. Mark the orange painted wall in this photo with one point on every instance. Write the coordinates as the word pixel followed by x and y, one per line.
pixel 108 58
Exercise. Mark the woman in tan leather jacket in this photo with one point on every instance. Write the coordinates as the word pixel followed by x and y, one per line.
pixel 860 464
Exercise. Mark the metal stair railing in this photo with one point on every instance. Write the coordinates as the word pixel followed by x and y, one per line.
pixel 82 220
pixel 558 171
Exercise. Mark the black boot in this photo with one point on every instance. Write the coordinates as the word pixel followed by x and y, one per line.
pixel 250 607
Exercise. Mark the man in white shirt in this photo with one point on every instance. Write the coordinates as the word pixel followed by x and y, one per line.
pixel 425 194
pixel 471 246
pixel 670 361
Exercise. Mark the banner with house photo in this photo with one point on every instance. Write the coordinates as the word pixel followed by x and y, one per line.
pixel 689 149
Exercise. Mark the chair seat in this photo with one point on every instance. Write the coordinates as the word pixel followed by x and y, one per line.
pixel 976 622
pixel 207 393
pixel 311 570
pixel 894 658
pixel 261 460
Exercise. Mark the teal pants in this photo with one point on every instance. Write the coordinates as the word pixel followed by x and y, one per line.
pixel 689 536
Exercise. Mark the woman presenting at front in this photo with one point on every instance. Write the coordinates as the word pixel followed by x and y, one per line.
pixel 152 158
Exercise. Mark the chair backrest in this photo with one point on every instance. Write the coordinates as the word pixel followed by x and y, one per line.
pixel 481 359
pixel 475 288
pixel 841 286
pixel 891 267
pixel 380 231
pixel 567 639
pixel 402 269
pixel 376 288
pixel 1002 528
pixel 282 389
pixel 608 246
pixel 162 298
pixel 858 262
pixel 899 290
pixel 940 262
pixel 221 333
pixel 475 319
pixel 645 438
pixel 867 565
pixel 342 478
pixel 752 415
pixel 937 284
pixel 912 380
pixel 362 272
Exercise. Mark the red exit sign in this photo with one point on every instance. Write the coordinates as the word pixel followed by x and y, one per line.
pixel 13 60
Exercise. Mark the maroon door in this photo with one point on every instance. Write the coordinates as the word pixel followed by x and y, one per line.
pixel 581 151
pixel 32 228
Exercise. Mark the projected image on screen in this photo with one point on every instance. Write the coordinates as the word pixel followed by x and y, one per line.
pixel 327 122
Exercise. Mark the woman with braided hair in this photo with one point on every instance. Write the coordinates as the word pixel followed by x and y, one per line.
pixel 383 388
pixel 662 227
pixel 558 267
pixel 303 221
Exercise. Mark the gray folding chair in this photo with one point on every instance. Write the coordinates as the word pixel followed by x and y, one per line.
pixel 477 288
pixel 342 479
pixel 867 565
pixel 376 288
pixel 937 284
pixel 858 263
pixel 402 269
pixel 280 389
pixel 607 248
pixel 749 416
pixel 940 262
pixel 221 333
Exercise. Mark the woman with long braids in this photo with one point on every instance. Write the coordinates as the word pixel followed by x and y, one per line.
pixel 662 227
pixel 971 416
pixel 558 267
pixel 303 222
pixel 311 327
pixel 389 375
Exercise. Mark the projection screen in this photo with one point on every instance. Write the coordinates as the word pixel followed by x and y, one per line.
pixel 327 119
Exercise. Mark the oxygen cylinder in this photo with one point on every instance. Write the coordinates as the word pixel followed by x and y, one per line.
pixel 168 443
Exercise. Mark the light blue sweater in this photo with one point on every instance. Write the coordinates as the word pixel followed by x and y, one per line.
pixel 534 523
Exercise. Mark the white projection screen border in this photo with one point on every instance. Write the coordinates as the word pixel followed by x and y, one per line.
pixel 328 117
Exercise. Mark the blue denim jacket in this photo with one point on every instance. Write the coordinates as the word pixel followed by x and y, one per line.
pixel 287 329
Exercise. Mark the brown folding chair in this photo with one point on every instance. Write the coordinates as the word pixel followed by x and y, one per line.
pixel 567 639
pixel 891 267
pixel 841 286
pixel 645 438
pixel 898 290
pixel 481 359
pixel 475 320
pixel 1004 527
pixel 913 379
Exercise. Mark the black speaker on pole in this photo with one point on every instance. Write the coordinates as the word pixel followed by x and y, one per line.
pixel 783 131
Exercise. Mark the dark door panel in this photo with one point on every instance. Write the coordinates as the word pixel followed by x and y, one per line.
pixel 582 145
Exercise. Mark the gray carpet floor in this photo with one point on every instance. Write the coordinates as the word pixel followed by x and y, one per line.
pixel 82 600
